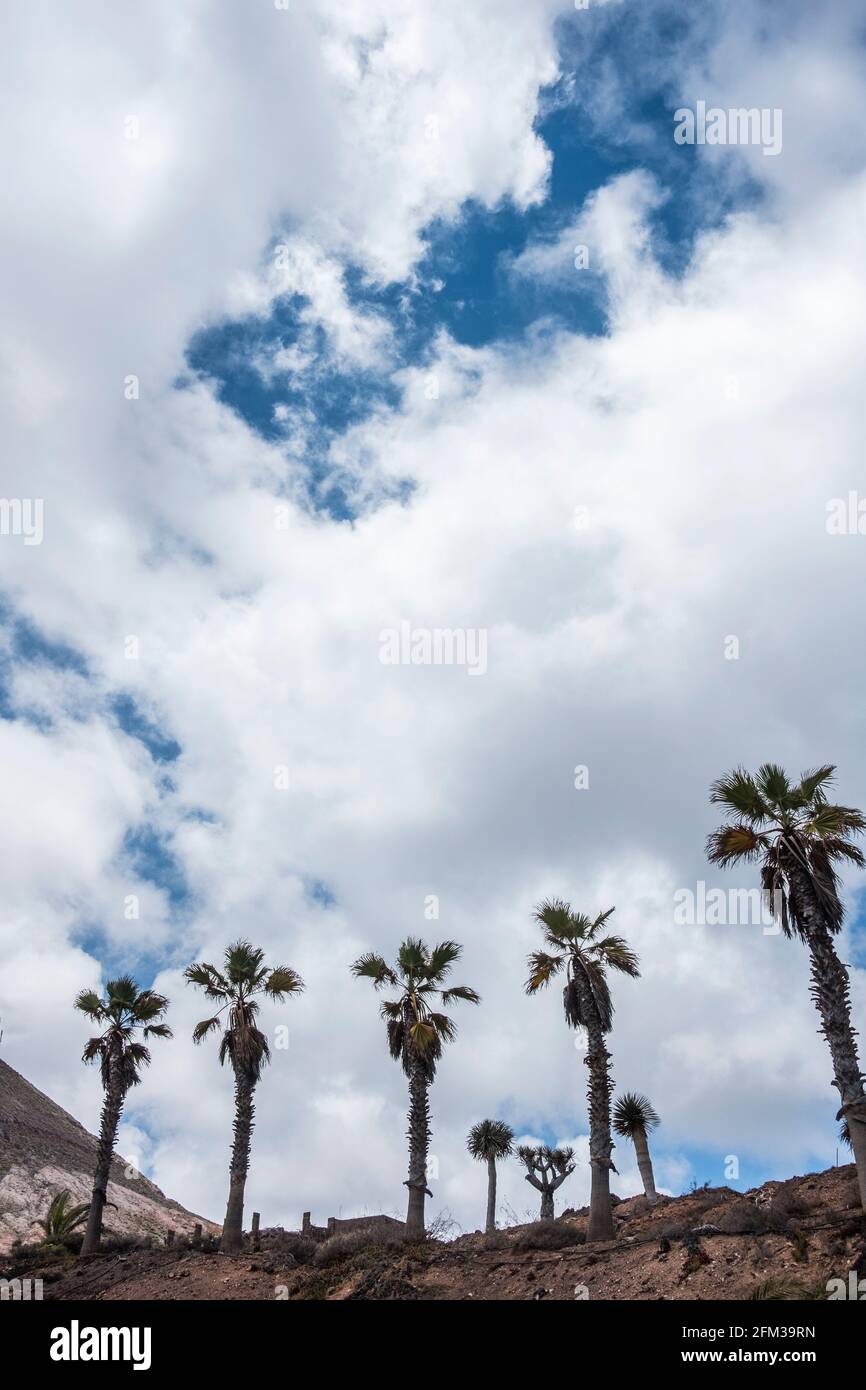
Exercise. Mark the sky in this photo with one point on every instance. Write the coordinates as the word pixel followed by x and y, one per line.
pixel 327 318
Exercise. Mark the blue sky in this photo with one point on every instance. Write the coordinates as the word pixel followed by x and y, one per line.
pixel 287 485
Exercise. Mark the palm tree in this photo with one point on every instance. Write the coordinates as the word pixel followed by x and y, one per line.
pixel 124 1010
pixel 416 1035
pixel 585 955
pixel 244 975
pixel 546 1170
pixel 634 1118
pixel 489 1140
pixel 62 1218
pixel 798 836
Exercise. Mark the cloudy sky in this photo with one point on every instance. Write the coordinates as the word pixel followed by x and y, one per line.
pixel 327 317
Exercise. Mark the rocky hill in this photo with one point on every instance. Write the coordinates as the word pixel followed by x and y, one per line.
pixel 784 1240
pixel 43 1149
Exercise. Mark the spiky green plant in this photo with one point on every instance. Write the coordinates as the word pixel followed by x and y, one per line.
pixel 417 1033
pixel 546 1171
pixel 244 975
pixel 488 1141
pixel 62 1217
pixel 634 1118
pixel 580 949
pixel 122 1013
pixel 799 837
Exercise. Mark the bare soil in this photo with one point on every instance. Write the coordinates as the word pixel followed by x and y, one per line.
pixel 783 1240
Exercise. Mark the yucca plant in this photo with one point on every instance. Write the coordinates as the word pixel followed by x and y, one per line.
pixel 62 1217
pixel 634 1118
pixel 124 1011
pixel 243 976
pixel 585 954
pixel 488 1141
pixel 546 1170
pixel 417 1033
pixel 798 837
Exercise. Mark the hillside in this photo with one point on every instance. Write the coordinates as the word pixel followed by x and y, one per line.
pixel 783 1240
pixel 43 1149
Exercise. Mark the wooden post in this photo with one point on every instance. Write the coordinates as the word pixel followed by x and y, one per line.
pixel 255 1231
pixel 305 1223
pixel 332 1225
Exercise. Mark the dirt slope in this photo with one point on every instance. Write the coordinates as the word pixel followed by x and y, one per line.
pixel 43 1149
pixel 785 1239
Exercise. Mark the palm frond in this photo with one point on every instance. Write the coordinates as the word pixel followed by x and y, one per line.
pixel 208 978
pixel 282 980
pixel 739 792
pixel 243 962
pixel 372 966
pixel 206 1026
pixel 633 1113
pixel 441 959
pixel 733 842
pixel 775 787
pixel 412 958
pixel 157 1030
pixel 464 992
pixel 557 918
pixel 89 1002
pixel 490 1139
pixel 542 968
pixel 615 952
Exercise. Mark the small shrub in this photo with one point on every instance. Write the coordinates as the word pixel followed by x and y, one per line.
pixel 549 1235
pixel 743 1218
pixel 496 1240
pixel 341 1247
pixel 301 1248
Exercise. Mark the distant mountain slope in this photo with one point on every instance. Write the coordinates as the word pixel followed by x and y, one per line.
pixel 43 1149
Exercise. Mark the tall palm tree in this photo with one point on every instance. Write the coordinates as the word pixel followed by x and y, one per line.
pixel 579 948
pixel 243 976
pixel 798 836
pixel 488 1141
pixel 416 1034
pixel 546 1170
pixel 634 1118
pixel 123 1011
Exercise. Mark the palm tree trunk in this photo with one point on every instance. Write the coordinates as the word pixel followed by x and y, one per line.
pixel 491 1196
pixel 645 1165
pixel 418 1135
pixel 831 993
pixel 233 1226
pixel 598 1093
pixel 111 1111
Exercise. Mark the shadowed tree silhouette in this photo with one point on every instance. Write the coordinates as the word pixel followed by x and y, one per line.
pixel 546 1169
pixel 416 1035
pixel 634 1118
pixel 579 948
pixel 124 1011
pixel 243 976
pixel 798 836
pixel 488 1141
